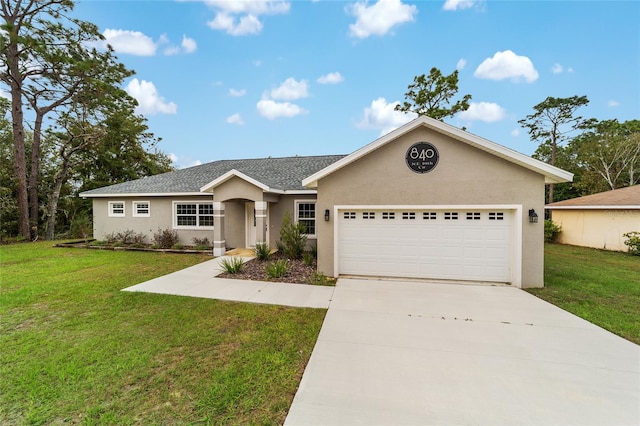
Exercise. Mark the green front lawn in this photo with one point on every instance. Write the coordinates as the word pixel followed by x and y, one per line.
pixel 600 286
pixel 75 349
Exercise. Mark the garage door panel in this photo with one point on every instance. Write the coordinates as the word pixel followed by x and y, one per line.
pixel 464 249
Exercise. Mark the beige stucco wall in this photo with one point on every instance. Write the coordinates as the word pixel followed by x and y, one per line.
pixel 277 212
pixel 463 176
pixel 601 229
pixel 161 217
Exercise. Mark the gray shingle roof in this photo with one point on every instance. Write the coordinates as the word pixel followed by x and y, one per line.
pixel 277 173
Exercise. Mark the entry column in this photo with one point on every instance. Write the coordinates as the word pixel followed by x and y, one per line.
pixel 219 243
pixel 261 221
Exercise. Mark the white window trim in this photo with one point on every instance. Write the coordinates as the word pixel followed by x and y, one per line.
pixel 174 215
pixel 134 206
pixel 314 202
pixel 124 209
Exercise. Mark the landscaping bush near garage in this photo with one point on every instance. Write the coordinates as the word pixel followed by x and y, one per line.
pixel 600 286
pixel 77 350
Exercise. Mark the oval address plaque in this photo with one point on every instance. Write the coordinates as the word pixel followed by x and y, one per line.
pixel 422 157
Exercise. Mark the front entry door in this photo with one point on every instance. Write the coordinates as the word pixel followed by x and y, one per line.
pixel 250 227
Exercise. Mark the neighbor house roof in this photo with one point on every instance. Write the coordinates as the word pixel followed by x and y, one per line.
pixel 272 174
pixel 628 197
pixel 551 174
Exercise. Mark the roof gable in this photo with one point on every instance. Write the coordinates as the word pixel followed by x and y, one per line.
pixel 628 197
pixel 552 174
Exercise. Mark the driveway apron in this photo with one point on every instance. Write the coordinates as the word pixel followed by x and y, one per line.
pixel 402 352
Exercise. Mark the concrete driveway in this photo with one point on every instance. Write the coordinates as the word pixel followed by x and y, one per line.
pixel 400 352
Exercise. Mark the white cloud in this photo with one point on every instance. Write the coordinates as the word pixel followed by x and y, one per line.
pixel 242 17
pixel 613 103
pixel 257 63
pixel 382 115
pixel 379 18
pixel 235 119
pixel 237 93
pixel 461 64
pixel 139 44
pixel 248 24
pixel 149 100
pixel 131 42
pixel 291 89
pixel 505 65
pixel 559 69
pixel 171 50
pixel 331 78
pixel 183 163
pixel 255 7
pixel 272 109
pixel 189 45
pixel 515 132
pixel 458 4
pixel 488 112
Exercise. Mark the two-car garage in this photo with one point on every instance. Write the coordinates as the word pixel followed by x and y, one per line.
pixel 469 243
pixel 431 201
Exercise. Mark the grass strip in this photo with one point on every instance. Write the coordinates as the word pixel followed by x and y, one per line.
pixel 600 286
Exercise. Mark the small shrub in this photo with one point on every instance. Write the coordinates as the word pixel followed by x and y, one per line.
pixel 277 268
pixel 201 242
pixel 321 279
pixel 262 251
pixel 201 247
pixel 126 238
pixel 98 243
pixel 293 237
pixel 165 238
pixel 551 231
pixel 178 246
pixel 110 238
pixel 81 227
pixel 231 265
pixel 308 258
pixel 633 241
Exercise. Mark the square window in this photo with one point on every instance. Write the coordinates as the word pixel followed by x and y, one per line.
pixel 450 215
pixel 408 215
pixel 388 215
pixel 116 209
pixel 349 215
pixel 368 215
pixel 429 215
pixel 141 209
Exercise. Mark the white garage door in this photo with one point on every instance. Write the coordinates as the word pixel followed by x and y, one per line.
pixel 469 244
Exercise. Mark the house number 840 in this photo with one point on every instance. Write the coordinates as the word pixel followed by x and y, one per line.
pixel 422 157
pixel 423 154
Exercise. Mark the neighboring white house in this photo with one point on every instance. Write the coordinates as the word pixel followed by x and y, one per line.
pixel 599 220
pixel 427 200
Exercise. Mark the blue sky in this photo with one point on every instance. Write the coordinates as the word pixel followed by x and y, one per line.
pixel 235 79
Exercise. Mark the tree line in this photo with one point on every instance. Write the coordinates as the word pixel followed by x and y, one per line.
pixel 68 126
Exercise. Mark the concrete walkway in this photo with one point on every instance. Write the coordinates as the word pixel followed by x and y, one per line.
pixel 416 353
pixel 199 281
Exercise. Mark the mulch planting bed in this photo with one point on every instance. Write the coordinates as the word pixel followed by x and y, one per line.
pixel 297 271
